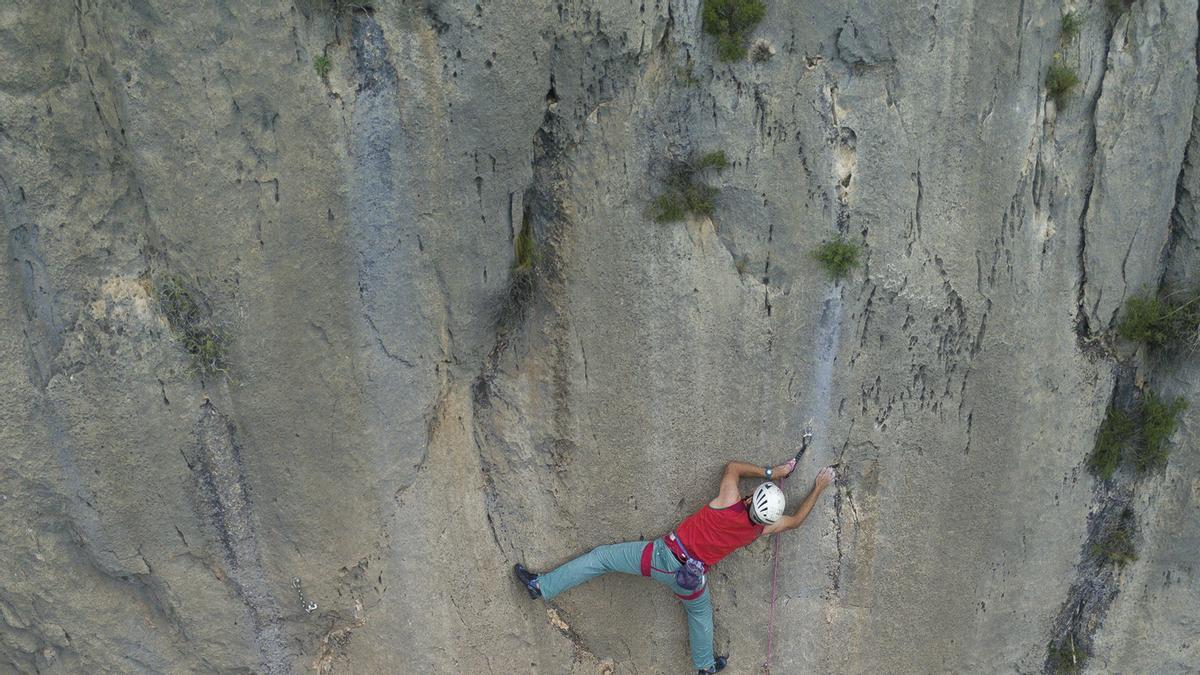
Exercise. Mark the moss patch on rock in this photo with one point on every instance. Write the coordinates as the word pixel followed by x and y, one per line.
pixel 191 321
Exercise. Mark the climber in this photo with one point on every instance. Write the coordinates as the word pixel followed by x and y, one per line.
pixel 681 558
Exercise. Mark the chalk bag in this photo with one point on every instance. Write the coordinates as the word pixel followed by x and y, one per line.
pixel 691 575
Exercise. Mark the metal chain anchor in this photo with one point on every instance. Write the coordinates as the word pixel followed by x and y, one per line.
pixel 308 605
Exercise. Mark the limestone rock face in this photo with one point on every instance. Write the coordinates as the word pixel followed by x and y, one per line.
pixel 404 409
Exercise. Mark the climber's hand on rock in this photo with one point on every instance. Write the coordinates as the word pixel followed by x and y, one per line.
pixel 824 478
pixel 784 470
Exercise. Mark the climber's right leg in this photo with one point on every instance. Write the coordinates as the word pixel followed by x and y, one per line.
pixel 625 557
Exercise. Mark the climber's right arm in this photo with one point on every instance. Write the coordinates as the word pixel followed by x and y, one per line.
pixel 729 493
pixel 824 478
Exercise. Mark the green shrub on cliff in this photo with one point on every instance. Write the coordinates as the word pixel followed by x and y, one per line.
pixel 1060 81
pixel 1116 431
pixel 686 192
pixel 1166 320
pixel 1115 544
pixel 1159 418
pixel 525 253
pixel 1062 657
pixel 1144 430
pixel 741 263
pixel 684 195
pixel 686 74
pixel 1071 24
pixel 1118 7
pixel 712 160
pixel 730 22
pixel 761 52
pixel 522 280
pixel 838 257
pixel 341 8
pixel 322 65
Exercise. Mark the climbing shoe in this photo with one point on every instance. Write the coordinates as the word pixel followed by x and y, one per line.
pixel 718 666
pixel 528 580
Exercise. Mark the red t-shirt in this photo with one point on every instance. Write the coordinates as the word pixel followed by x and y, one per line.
pixel 711 534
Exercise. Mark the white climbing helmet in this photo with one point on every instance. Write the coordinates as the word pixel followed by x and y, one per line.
pixel 766 505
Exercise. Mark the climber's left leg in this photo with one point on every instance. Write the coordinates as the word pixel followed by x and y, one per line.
pixel 700 629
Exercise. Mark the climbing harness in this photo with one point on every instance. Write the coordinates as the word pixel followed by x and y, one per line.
pixel 775 556
pixel 690 576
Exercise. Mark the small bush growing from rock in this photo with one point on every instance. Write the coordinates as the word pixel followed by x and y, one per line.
pixel 741 263
pixel 191 324
pixel 322 65
pixel 522 281
pixel 712 160
pixel 669 208
pixel 1062 657
pixel 176 302
pixel 686 192
pixel 1116 431
pixel 340 8
pixel 683 196
pixel 731 21
pixel 1116 542
pixel 687 74
pixel 525 259
pixel 525 253
pixel 1167 320
pixel 1072 23
pixel 1118 7
pixel 1145 431
pixel 761 52
pixel 1159 418
pixel 207 350
pixel 838 257
pixel 1060 81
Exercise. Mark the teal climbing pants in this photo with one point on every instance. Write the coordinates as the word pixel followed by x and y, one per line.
pixel 649 559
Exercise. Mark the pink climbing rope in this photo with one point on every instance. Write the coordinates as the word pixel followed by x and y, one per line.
pixel 775 552
pixel 775 578
pixel 771 615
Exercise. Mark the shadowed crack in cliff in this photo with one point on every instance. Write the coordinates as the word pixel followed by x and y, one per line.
pixel 1096 584
pixel 1097 576
pixel 1083 327
pixel 543 222
pixel 535 289
pixel 1112 526
pixel 222 499
pixel 1184 210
